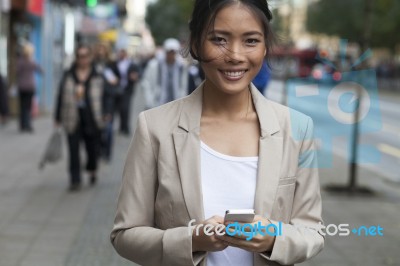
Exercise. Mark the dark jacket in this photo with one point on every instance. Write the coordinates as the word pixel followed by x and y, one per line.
pixel 3 97
pixel 67 112
pixel 133 68
pixel 110 90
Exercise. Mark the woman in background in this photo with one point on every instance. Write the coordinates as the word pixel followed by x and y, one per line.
pixel 108 68
pixel 79 110
pixel 25 70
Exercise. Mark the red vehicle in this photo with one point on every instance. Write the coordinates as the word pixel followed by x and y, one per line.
pixel 290 62
pixel 325 73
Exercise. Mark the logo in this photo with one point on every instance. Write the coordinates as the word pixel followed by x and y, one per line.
pixel 346 230
pixel 276 229
pixel 233 229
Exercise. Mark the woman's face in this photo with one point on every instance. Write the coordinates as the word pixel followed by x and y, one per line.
pixel 83 57
pixel 101 51
pixel 234 49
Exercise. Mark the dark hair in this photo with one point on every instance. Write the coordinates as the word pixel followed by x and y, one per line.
pixel 205 12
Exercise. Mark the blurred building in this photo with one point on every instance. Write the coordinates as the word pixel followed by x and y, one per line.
pixel 5 6
pixel 24 25
pixel 120 22
pixel 294 15
pixel 45 24
pixel 54 27
pixel 140 42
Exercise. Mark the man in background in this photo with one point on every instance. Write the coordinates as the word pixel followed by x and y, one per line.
pixel 165 78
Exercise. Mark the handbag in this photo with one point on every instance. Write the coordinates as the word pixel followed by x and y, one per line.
pixel 53 151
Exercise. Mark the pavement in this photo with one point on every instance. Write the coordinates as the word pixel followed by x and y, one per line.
pixel 41 224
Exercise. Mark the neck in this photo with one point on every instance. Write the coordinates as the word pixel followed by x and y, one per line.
pixel 226 106
pixel 82 68
pixel 82 73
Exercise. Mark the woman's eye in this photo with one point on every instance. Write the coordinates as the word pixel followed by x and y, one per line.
pixel 218 40
pixel 252 41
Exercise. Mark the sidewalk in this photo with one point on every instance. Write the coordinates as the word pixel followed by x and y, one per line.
pixel 41 224
pixel 382 208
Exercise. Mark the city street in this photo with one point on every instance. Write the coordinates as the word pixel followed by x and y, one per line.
pixel 386 139
pixel 41 224
pixel 77 63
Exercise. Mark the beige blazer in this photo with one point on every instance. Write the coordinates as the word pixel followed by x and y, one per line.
pixel 161 187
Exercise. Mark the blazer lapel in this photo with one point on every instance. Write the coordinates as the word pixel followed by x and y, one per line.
pixel 187 148
pixel 270 155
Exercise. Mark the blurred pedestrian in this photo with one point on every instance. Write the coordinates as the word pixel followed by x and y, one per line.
pixel 262 78
pixel 144 59
pixel 166 77
pixel 108 68
pixel 129 75
pixel 225 146
pixel 3 101
pixel 101 56
pixel 79 111
pixel 25 70
pixel 196 76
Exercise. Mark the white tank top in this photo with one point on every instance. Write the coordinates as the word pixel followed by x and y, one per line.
pixel 228 182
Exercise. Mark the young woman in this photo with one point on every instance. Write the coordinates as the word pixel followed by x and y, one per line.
pixel 106 66
pixel 223 147
pixel 25 70
pixel 79 111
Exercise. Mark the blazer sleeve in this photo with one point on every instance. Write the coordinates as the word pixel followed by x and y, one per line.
pixel 300 239
pixel 134 235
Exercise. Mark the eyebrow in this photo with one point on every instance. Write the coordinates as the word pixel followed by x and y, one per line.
pixel 227 33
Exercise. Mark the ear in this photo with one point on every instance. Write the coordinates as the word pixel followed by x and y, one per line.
pixel 265 52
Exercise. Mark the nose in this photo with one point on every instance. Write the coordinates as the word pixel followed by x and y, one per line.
pixel 234 53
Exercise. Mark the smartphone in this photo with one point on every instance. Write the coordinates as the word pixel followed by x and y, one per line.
pixel 239 215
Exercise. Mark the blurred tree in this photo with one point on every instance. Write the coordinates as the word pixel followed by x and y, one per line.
pixel 169 18
pixel 277 22
pixel 352 19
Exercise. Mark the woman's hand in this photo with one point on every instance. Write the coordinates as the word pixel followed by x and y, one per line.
pixel 252 242
pixel 203 242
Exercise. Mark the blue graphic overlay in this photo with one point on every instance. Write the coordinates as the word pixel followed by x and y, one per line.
pixel 332 106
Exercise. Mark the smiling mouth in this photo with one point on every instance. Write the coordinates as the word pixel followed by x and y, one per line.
pixel 233 75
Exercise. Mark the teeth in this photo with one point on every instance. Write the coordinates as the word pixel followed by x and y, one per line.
pixel 234 74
